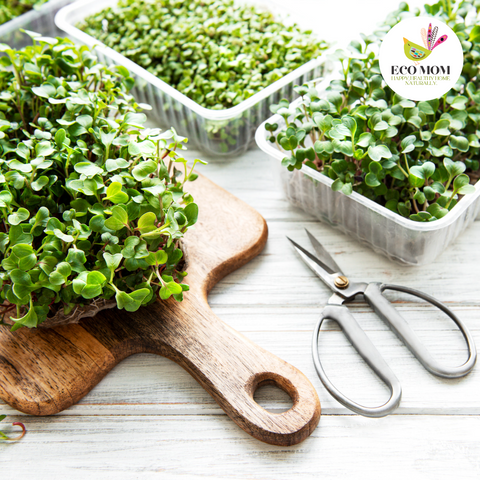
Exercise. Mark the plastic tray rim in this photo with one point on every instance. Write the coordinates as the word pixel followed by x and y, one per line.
pixel 19 21
pixel 210 114
pixel 451 217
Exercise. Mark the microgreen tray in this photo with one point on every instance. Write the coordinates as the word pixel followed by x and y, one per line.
pixel 221 133
pixel 39 20
pixel 399 238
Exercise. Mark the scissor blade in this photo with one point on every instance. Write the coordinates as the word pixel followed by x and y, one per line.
pixel 314 263
pixel 323 255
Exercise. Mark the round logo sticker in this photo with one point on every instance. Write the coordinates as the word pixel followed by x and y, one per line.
pixel 421 58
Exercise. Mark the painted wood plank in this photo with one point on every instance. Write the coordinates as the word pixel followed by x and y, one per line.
pixel 213 447
pixel 153 384
pixel 88 440
pixel 277 293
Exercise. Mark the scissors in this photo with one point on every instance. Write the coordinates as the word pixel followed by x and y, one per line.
pixel 345 290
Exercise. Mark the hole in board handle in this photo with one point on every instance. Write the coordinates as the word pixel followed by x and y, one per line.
pixel 273 392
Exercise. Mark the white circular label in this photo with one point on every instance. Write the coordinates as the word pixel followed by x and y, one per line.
pixel 421 58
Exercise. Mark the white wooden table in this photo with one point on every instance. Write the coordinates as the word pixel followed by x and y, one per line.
pixel 149 419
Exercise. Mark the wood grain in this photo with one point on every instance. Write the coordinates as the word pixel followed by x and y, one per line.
pixel 397 447
pixel 148 419
pixel 43 372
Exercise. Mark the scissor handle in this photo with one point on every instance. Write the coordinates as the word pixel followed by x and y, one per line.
pixel 389 314
pixel 365 347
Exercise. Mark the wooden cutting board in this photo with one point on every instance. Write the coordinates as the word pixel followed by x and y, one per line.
pixel 44 371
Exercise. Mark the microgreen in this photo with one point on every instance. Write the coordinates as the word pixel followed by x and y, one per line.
pixel 4 436
pixel 92 204
pixel 216 52
pixel 408 156
pixel 13 8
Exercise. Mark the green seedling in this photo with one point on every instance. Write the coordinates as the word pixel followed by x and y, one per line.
pixel 415 158
pixel 13 8
pixel 87 195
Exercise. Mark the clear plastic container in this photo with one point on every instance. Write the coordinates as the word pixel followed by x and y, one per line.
pixel 40 21
pixel 221 133
pixel 399 238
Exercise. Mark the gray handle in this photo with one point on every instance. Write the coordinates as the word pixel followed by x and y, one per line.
pixel 364 346
pixel 389 314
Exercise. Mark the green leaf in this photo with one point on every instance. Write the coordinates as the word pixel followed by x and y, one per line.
pixel 115 194
pixel 39 183
pixel 61 273
pixel 17 235
pixel 420 197
pixel 89 284
pixel 337 185
pixel 112 261
pixel 169 288
pixel 21 167
pixel 426 108
pixel 461 181
pixel 441 128
pixel 63 236
pixel 159 257
pixel 22 283
pixel 44 149
pixel 403 209
pixel 323 147
pixel 25 255
pixel 76 258
pixel 191 212
pixel 347 189
pixel 146 223
pixel 474 34
pixel 135 119
pixel 133 301
pixel 408 144
pixel 89 169
pixel 19 216
pixel 416 178
pixel 134 247
pixel 119 218
pixel 60 137
pixel 436 210
pixel 428 169
pixel 143 170
pixel 466 190
pixel 375 168
pixel 115 164
pixel 107 138
pixel 376 153
pixel 365 139
pixel 438 188
pixel 459 102
pixel 453 168
pixel 351 125
pixel 30 319
pixel 371 180
pixel 46 90
pixel 85 121
pixel 5 198
pixel 96 223
pixel 459 143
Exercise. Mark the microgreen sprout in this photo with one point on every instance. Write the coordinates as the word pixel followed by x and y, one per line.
pixel 216 52
pixel 13 8
pixel 415 158
pixel 4 436
pixel 92 205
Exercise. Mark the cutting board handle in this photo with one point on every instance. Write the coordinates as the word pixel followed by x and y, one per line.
pixel 43 371
pixel 231 367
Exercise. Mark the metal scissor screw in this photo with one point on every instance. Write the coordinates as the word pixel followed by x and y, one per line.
pixel 341 282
